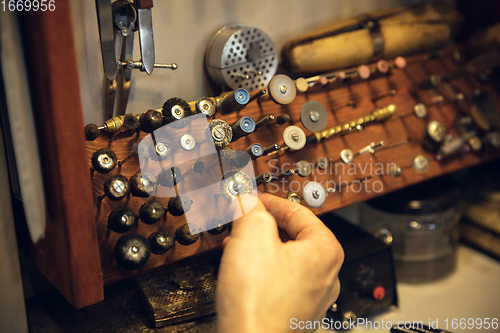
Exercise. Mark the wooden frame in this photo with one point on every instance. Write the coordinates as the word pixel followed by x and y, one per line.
pixel 68 255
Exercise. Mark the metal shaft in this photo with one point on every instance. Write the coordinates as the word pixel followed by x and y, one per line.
pixel 377 115
pixel 270 149
pixel 257 95
pixel 265 178
pixel 264 121
pixel 284 173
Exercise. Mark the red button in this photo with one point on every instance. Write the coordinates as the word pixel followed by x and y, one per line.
pixel 379 293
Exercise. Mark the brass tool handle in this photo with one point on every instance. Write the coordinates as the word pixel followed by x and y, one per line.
pixel 377 115
pixel 115 123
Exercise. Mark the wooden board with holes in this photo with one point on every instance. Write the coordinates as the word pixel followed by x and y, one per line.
pixel 333 97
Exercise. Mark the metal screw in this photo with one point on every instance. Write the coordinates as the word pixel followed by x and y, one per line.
pixel 177 111
pixel 161 239
pixel 160 148
pixel 237 187
pixel 134 249
pixel 240 96
pixel 314 116
pixel 295 136
pixel 283 89
pixel 217 133
pixel 118 186
pixel 315 194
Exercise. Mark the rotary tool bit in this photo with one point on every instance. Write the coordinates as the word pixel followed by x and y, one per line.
pixel 264 121
pixel 132 251
pixel 179 205
pixel 242 127
pixel 233 184
pixel 91 132
pixel 216 226
pixel 150 121
pixel 219 132
pixel 121 220
pixel 184 236
pixel 116 188
pixel 234 101
pixel 104 160
pixel 176 112
pixel 141 186
pixel 161 241
pixel 151 212
pixel 169 177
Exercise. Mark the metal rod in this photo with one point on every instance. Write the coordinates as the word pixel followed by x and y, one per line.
pixel 264 121
pixel 258 95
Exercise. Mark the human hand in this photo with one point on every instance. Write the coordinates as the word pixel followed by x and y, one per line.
pixel 263 282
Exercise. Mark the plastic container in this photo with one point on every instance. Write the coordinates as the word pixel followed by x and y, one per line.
pixel 423 223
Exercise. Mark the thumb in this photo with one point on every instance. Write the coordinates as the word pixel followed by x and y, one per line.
pixel 256 223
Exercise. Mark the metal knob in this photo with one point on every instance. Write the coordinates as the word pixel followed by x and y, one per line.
pixel 121 220
pixel 150 121
pixel 216 226
pixel 151 212
pixel 179 205
pixel 161 241
pixel 141 186
pixel 116 187
pixel 104 160
pixel 184 236
pixel 169 177
pixel 91 132
pixel 132 251
pixel 176 112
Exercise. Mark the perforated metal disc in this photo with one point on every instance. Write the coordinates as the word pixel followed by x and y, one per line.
pixel 313 116
pixel 294 137
pixel 282 89
pixel 314 194
pixel 238 51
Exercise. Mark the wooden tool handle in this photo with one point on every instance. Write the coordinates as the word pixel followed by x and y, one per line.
pixel 404 30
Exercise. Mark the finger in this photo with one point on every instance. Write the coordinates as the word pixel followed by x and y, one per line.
pixel 225 240
pixel 335 292
pixel 298 221
pixel 256 223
